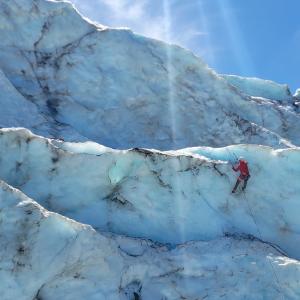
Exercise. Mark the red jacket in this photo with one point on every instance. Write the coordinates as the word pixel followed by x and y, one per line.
pixel 242 167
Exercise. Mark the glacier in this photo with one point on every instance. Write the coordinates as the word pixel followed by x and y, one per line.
pixel 86 80
pixel 115 168
pixel 169 197
pixel 82 259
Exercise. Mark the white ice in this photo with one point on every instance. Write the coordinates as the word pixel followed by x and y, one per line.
pixel 46 256
pixel 146 92
pixel 168 197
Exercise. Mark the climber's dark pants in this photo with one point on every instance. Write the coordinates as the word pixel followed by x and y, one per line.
pixel 244 178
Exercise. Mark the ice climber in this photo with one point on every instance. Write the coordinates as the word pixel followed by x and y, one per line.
pixel 241 166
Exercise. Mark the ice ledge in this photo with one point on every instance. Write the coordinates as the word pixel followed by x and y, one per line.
pixel 260 88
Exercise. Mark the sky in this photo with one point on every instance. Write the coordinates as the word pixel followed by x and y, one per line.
pixel 252 38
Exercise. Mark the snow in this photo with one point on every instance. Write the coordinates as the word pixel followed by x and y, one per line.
pixel 297 94
pixel 168 197
pixel 86 147
pixel 47 256
pixel 94 78
pixel 260 88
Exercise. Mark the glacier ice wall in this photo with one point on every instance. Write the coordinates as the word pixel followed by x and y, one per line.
pixel 124 90
pixel 93 82
pixel 166 196
pixel 47 256
pixel 62 76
